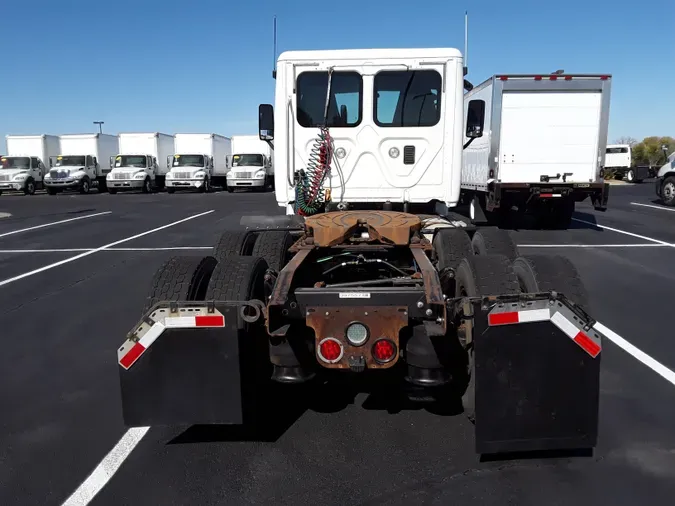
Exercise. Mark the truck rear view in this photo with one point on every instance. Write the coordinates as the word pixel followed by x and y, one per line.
pixel 368 283
pixel 536 143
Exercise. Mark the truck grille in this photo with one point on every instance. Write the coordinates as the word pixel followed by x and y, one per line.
pixel 122 175
pixel 56 174
pixel 4 177
pixel 240 175
pixel 182 175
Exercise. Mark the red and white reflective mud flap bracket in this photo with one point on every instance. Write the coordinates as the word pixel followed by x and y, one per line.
pixel 556 312
pixel 147 332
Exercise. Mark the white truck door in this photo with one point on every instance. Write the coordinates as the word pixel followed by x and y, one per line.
pixel 549 133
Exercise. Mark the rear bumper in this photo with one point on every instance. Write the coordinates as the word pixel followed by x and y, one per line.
pixel 508 192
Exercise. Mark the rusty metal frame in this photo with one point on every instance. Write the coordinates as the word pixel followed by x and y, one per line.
pixel 433 291
pixel 279 306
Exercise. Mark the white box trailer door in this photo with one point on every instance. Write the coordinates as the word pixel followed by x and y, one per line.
pixel 549 133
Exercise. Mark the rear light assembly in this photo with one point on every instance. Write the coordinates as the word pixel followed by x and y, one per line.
pixel 357 334
pixel 330 350
pixel 384 350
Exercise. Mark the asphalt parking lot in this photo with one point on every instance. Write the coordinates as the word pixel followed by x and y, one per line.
pixel 74 270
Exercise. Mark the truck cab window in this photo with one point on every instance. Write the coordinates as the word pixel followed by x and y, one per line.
pixel 89 162
pixel 345 103
pixel 34 163
pixel 246 160
pixel 407 98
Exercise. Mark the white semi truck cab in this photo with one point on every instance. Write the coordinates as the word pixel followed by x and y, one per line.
pixel 24 167
pixel 140 163
pixel 199 161
pixel 392 130
pixel 252 164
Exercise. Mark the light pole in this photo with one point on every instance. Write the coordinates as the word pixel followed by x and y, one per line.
pixel 99 123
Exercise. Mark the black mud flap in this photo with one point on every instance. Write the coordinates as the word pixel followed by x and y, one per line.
pixel 184 376
pixel 537 370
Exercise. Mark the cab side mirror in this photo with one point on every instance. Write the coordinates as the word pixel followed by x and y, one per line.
pixel 475 119
pixel 266 122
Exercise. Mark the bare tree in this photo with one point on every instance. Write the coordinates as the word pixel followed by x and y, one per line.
pixel 626 140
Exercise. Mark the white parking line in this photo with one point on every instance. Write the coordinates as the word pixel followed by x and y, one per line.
pixel 107 468
pixel 663 208
pixel 646 245
pixel 77 250
pixel 96 250
pixel 651 239
pixel 636 353
pixel 53 223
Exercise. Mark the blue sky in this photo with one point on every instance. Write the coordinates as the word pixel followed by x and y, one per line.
pixel 200 65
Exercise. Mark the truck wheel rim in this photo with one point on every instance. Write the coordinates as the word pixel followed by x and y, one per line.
pixel 668 191
pixel 31 187
pixel 85 186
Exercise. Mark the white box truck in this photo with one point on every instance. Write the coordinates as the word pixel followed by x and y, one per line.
pixel 619 160
pixel 536 142
pixel 199 161
pixel 140 163
pixel 24 166
pixel 82 163
pixel 252 165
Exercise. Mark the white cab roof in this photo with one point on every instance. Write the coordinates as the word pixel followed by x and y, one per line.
pixel 360 54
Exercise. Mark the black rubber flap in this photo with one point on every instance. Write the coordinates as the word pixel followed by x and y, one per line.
pixel 535 389
pixel 187 376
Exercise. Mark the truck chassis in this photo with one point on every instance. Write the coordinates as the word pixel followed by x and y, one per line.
pixel 442 314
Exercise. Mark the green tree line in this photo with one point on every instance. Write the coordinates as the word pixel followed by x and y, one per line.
pixel 648 151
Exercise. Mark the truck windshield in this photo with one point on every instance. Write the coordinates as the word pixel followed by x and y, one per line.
pixel 188 161
pixel 69 161
pixel 14 162
pixel 613 151
pixel 130 161
pixel 247 161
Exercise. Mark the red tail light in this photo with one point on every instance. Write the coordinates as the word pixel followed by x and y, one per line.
pixel 503 78
pixel 537 78
pixel 384 350
pixel 568 78
pixel 330 350
pixel 554 78
pixel 604 78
